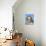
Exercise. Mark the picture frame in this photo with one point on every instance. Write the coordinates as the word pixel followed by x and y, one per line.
pixel 29 19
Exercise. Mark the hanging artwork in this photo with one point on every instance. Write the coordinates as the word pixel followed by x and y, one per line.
pixel 29 19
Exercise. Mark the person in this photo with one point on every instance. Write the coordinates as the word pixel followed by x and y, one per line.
pixel 29 43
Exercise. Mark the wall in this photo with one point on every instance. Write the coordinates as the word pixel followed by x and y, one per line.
pixel 6 13
pixel 43 22
pixel 32 32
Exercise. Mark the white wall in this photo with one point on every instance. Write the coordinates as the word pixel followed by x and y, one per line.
pixel 43 22
pixel 33 31
pixel 6 13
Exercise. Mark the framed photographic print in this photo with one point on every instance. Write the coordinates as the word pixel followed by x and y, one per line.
pixel 29 19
